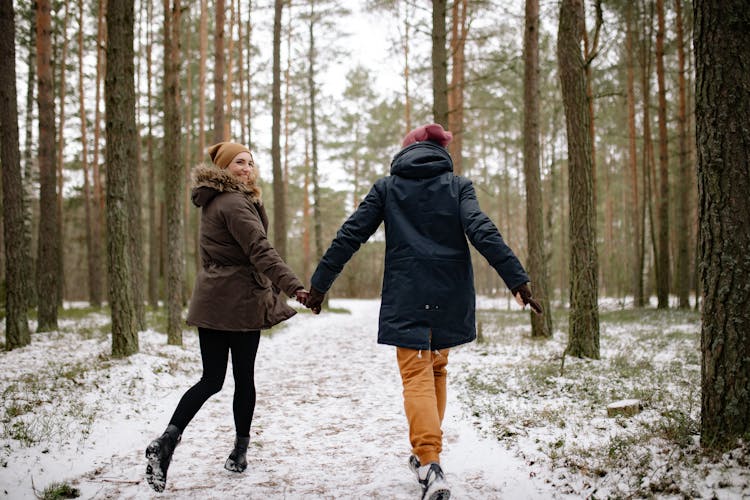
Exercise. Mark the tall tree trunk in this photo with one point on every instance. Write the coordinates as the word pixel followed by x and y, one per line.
pixel 48 270
pixel 662 270
pixel 98 212
pixel 248 66
pixel 635 217
pixel 541 326
pixel 583 336
pixel 317 222
pixel 153 234
pixel 722 109
pixel 228 88
pixel 201 121
pixel 279 201
pixel 306 222
pixel 30 166
pixel 683 209
pixel 590 51
pixel 287 96
pixel 439 64
pixel 173 171
pixel 16 250
pixel 407 95
pixel 648 145
pixel 202 78
pixel 187 159
pixel 459 32
pixel 242 74
pixel 219 74
pixel 61 156
pixel 119 91
pixel 135 229
pixel 94 281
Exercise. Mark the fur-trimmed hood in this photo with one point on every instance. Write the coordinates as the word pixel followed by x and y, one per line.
pixel 209 181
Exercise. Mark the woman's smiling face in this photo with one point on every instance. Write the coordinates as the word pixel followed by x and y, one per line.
pixel 242 166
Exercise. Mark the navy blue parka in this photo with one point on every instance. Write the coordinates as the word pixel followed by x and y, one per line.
pixel 428 297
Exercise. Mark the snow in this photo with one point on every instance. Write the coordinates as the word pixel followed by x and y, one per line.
pixel 329 420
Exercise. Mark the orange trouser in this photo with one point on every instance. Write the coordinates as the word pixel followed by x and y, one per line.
pixel 424 375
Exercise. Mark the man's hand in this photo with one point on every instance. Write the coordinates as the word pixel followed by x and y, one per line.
pixel 522 293
pixel 315 300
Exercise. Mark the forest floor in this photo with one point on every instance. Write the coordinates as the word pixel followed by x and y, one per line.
pixel 329 419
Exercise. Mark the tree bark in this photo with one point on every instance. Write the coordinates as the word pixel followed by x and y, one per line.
pixel 407 95
pixel 279 200
pixel 219 74
pixel 662 270
pixel 459 32
pixel 439 64
pixel 173 171
pixel 583 336
pixel 228 87
pixel 98 211
pixel 722 42
pixel 30 166
pixel 119 91
pixel 16 250
pixel 63 94
pixel 153 232
pixel 541 326
pixel 684 210
pixel 317 223
pixel 635 211
pixel 94 271
pixel 48 269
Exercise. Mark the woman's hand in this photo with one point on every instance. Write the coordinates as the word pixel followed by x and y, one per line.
pixel 302 296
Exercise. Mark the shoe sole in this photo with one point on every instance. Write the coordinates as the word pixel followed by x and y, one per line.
pixel 233 466
pixel 154 475
pixel 439 495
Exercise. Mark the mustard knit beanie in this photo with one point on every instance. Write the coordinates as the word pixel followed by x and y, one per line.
pixel 223 153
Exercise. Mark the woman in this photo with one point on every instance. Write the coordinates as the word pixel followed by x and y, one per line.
pixel 428 297
pixel 236 295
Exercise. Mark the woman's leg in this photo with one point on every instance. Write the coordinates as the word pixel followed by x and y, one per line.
pixel 214 354
pixel 244 347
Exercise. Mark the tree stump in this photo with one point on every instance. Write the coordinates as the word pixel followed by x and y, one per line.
pixel 625 407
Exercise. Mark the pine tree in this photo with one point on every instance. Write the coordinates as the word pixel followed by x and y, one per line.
pixel 16 251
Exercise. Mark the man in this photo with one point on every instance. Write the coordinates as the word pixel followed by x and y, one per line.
pixel 428 298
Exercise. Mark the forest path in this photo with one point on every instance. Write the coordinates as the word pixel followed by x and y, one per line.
pixel 329 423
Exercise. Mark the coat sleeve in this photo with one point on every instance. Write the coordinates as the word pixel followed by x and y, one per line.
pixel 485 237
pixel 246 228
pixel 353 233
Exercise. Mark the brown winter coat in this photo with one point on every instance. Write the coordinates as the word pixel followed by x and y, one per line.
pixel 241 273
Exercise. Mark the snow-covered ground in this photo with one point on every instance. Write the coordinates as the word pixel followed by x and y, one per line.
pixel 328 423
pixel 329 419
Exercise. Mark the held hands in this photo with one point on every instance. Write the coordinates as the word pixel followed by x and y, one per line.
pixel 315 301
pixel 312 299
pixel 302 295
pixel 522 293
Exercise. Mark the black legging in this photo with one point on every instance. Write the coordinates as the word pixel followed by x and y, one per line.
pixel 215 345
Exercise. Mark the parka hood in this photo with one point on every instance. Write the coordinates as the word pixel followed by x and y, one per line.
pixel 421 160
pixel 209 181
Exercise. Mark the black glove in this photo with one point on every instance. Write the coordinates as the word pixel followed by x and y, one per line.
pixel 315 300
pixel 525 293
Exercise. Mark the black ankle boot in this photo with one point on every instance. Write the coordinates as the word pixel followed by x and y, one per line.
pixel 237 461
pixel 159 455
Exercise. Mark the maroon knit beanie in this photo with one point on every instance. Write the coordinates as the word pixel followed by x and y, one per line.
pixel 433 132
